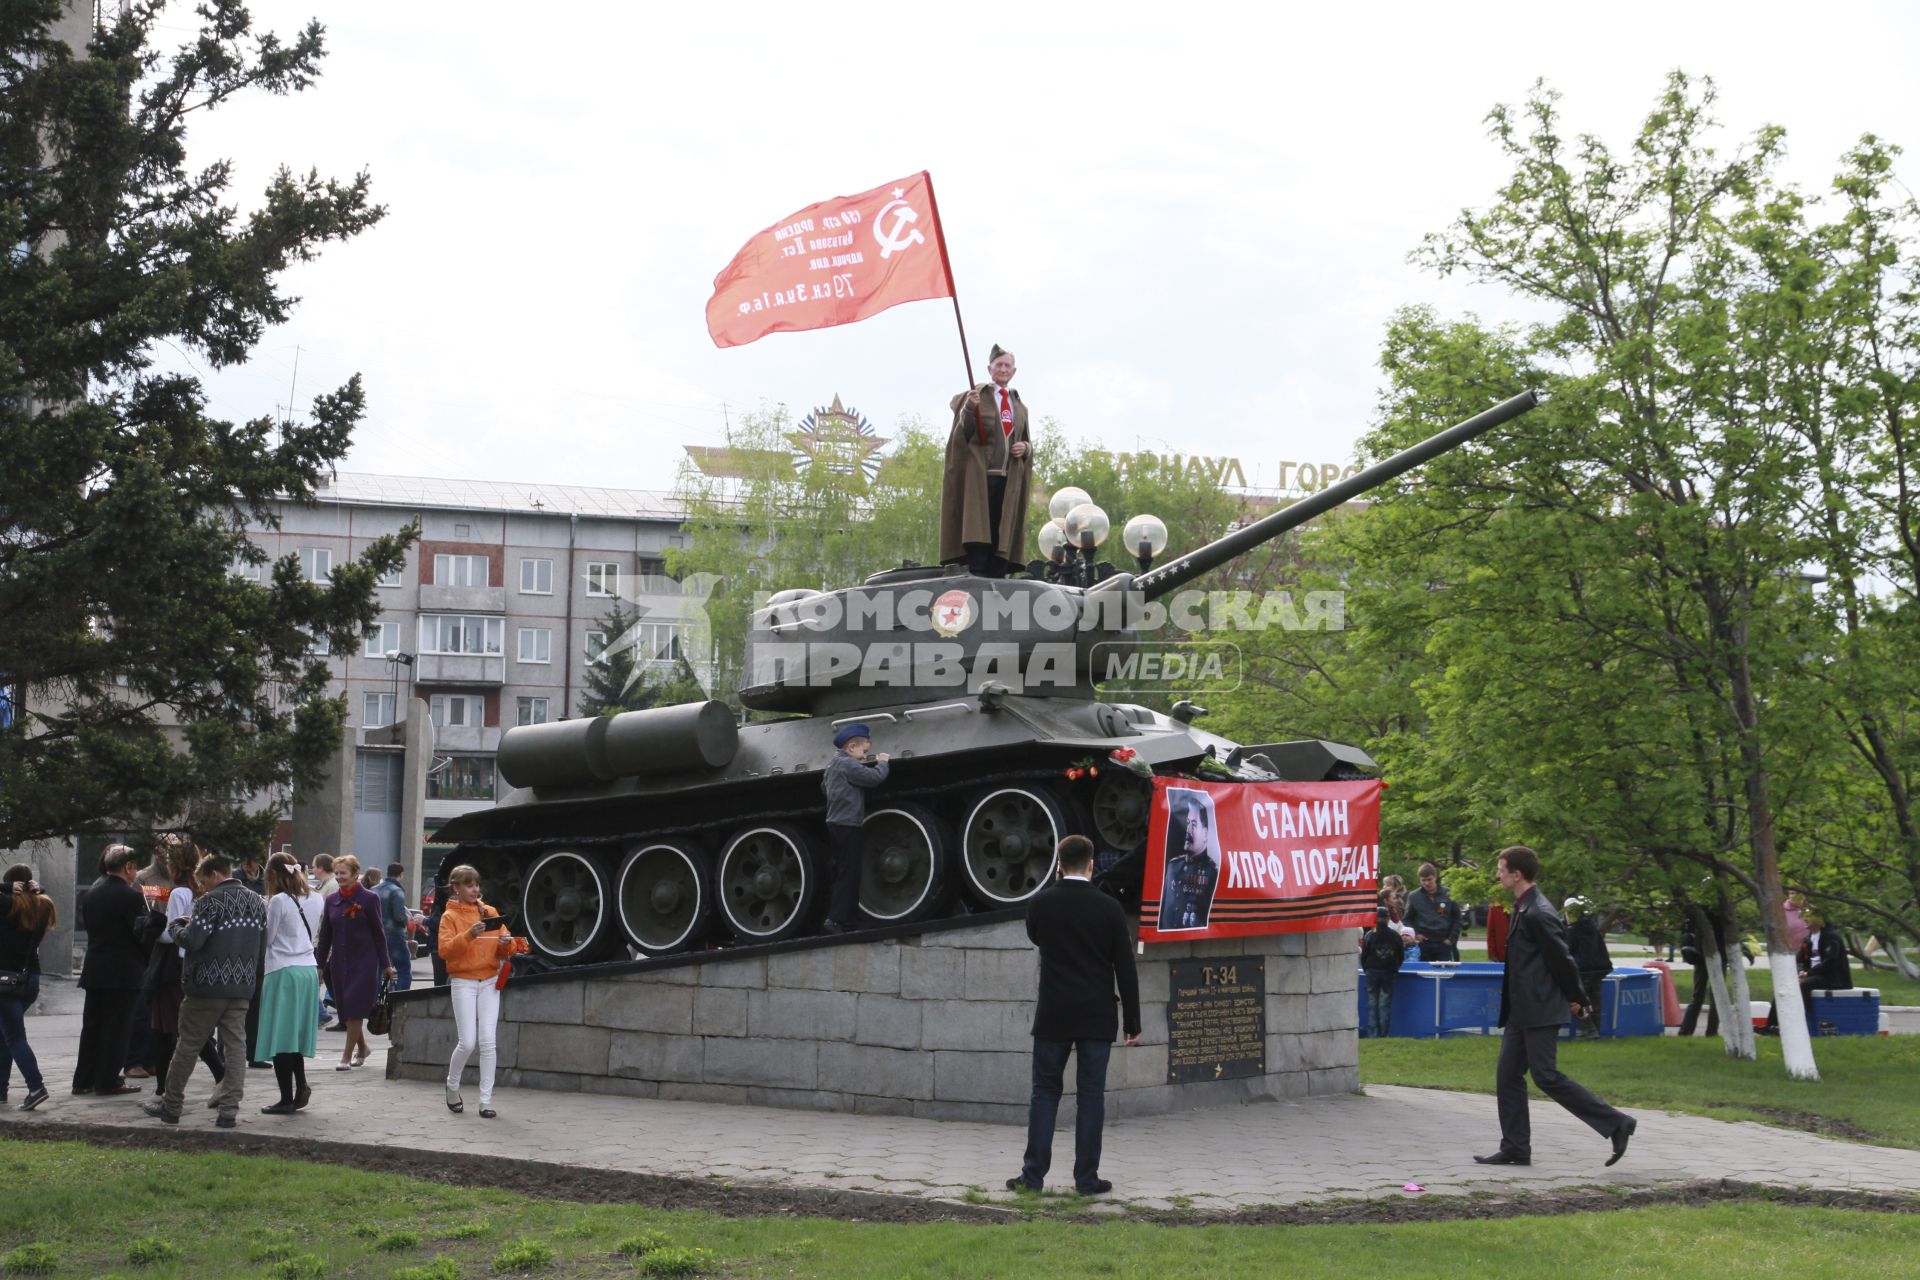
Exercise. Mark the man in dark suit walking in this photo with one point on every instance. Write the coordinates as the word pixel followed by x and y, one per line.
pixel 115 915
pixel 1542 986
pixel 1086 952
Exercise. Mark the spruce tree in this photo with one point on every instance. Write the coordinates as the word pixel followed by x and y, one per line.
pixel 151 685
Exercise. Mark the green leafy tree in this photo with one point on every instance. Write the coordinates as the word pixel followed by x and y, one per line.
pixel 158 688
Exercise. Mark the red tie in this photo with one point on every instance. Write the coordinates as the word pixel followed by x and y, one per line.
pixel 1006 413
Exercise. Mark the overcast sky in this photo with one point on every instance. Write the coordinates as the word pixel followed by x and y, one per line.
pixel 1190 221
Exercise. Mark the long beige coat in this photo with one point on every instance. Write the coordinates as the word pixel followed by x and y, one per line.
pixel 975 446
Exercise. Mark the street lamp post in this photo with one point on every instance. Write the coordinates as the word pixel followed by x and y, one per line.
pixel 395 661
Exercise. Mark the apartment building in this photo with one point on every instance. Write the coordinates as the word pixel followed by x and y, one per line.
pixel 491 623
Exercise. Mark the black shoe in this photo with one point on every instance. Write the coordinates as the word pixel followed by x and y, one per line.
pixel 833 926
pixel 1620 1136
pixel 488 1113
pixel 78 1092
pixel 1021 1184
pixel 122 1087
pixel 260 1066
pixel 1503 1157
pixel 1098 1187
pixel 225 1120
pixel 158 1110
pixel 34 1098
pixel 286 1108
pixel 301 1097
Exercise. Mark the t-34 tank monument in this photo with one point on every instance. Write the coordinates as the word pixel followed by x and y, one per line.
pixel 662 831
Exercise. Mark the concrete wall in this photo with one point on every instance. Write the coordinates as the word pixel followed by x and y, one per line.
pixel 936 1025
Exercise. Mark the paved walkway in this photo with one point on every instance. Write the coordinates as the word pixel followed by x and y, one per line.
pixel 1214 1160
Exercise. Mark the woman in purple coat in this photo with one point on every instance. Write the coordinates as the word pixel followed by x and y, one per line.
pixel 352 953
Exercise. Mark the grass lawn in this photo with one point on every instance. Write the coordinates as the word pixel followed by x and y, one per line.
pixel 94 1211
pixel 1867 1081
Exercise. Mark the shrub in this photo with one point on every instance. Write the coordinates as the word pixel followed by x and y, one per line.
pixel 469 1231
pixel 150 1251
pixel 676 1260
pixel 645 1242
pixel 29 1260
pixel 305 1266
pixel 523 1255
pixel 441 1268
pixel 399 1241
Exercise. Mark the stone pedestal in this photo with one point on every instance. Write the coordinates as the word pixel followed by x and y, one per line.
pixel 933 1024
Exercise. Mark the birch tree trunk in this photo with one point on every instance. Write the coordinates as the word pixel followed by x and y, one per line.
pixel 1736 1005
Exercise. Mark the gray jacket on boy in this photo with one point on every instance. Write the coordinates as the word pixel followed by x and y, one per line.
pixel 845 781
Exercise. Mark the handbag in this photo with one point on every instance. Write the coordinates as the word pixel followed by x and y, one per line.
pixel 13 983
pixel 380 1018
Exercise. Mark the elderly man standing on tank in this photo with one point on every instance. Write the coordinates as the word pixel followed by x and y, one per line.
pixel 983 493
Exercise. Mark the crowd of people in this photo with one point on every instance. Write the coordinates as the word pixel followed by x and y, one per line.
pixel 1426 925
pixel 194 959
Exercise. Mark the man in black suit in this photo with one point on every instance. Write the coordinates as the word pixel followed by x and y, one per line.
pixel 1086 951
pixel 1823 964
pixel 1542 986
pixel 115 915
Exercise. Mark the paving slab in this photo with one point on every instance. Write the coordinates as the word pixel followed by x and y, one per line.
pixel 1219 1159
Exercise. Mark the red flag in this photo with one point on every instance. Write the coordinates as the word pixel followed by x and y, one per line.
pixel 1230 859
pixel 832 263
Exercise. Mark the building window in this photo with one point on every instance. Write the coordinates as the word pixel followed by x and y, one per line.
pixel 651 578
pixel 461 571
pixel 596 645
pixel 603 578
pixel 462 778
pixel 382 638
pixel 536 644
pixel 536 577
pixel 376 709
pixel 461 633
pixel 388 579
pixel 533 711
pixel 315 563
pixel 463 531
pixel 241 568
pixel 457 711
pixel 318 646
pixel 657 641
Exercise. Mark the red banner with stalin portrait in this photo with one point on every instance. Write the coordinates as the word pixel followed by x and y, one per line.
pixel 832 263
pixel 1229 859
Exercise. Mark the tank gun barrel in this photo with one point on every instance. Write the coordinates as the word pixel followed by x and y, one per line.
pixel 1177 573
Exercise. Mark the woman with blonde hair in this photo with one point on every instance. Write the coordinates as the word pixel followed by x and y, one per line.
pixel 292 984
pixel 474 942
pixel 25 916
pixel 353 955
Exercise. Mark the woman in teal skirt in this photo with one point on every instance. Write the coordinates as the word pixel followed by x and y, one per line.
pixel 292 984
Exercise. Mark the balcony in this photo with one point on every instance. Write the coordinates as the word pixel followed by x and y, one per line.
pixel 466 738
pixel 438 599
pixel 486 670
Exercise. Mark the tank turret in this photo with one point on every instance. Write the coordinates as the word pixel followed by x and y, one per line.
pixel 654 831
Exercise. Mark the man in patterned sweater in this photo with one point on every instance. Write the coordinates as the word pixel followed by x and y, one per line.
pixel 223 940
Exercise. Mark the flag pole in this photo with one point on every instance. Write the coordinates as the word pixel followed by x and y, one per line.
pixel 940 236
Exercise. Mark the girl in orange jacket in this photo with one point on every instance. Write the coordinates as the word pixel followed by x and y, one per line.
pixel 474 942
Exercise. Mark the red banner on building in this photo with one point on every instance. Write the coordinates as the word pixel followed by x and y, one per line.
pixel 832 263
pixel 1229 859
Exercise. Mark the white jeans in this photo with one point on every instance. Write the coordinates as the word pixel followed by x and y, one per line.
pixel 476 1012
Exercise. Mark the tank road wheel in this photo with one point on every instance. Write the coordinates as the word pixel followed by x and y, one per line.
pixel 1007 844
pixel 664 903
pixel 500 882
pixel 903 859
pixel 566 908
pixel 767 881
pixel 1121 803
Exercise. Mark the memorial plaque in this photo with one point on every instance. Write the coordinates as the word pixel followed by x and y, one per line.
pixel 1216 1019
